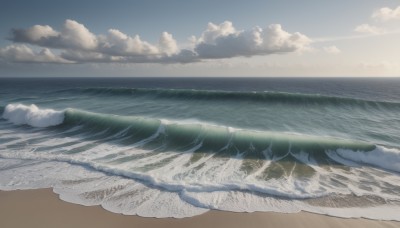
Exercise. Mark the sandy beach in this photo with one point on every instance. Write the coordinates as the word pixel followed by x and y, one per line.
pixel 43 208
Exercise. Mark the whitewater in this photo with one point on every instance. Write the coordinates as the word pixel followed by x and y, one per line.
pixel 180 147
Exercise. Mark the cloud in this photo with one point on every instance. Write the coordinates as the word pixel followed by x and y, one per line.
pixel 332 50
pixel 72 36
pixel 383 15
pixel 369 29
pixel 86 56
pixel 77 36
pixel 214 31
pixel 35 34
pixel 120 44
pixel 167 44
pixel 24 54
pixel 386 14
pixel 78 44
pixel 224 41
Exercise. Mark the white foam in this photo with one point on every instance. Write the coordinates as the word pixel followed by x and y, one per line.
pixel 120 195
pixel 87 187
pixel 382 157
pixel 238 201
pixel 32 115
pixel 181 187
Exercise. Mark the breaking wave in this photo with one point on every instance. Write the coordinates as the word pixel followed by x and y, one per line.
pixel 32 115
pixel 220 141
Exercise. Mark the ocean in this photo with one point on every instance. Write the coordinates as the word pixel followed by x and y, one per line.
pixel 179 147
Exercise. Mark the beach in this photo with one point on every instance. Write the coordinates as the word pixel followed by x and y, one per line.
pixel 42 208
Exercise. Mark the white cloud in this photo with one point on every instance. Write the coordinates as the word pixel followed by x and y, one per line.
pixel 72 36
pixel 386 14
pixel 224 41
pixel 87 56
pixel 276 39
pixel 383 15
pixel 80 45
pixel 76 35
pixel 332 50
pixel 167 44
pixel 214 31
pixel 22 53
pixel 369 29
pixel 120 44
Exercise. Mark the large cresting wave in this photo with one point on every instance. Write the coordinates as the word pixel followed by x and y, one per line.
pixel 218 140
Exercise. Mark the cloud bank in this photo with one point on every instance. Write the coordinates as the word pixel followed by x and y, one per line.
pixel 77 44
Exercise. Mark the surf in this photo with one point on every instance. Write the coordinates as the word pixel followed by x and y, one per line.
pixel 32 115
pixel 131 150
pixel 219 141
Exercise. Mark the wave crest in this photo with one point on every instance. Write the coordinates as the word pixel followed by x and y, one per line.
pixel 32 115
pixel 221 141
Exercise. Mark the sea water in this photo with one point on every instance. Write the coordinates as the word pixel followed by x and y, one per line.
pixel 178 147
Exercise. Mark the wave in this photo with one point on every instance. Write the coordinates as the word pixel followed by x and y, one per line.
pixel 178 136
pixel 220 141
pixel 213 95
pixel 117 161
pixel 32 115
pixel 386 158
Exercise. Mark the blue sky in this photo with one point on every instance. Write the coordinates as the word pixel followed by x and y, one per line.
pixel 97 38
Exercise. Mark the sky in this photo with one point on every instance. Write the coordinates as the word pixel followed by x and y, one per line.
pixel 54 38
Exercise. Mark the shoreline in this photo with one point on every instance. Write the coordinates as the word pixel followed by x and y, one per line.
pixel 43 208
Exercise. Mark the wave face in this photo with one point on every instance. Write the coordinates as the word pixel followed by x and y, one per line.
pixel 180 147
pixel 132 165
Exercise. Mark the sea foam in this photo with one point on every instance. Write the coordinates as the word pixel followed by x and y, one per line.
pixel 32 115
pixel 202 167
pixel 386 158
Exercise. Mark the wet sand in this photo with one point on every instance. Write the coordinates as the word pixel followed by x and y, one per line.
pixel 43 208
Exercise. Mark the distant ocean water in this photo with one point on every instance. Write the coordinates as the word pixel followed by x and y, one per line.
pixel 178 147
